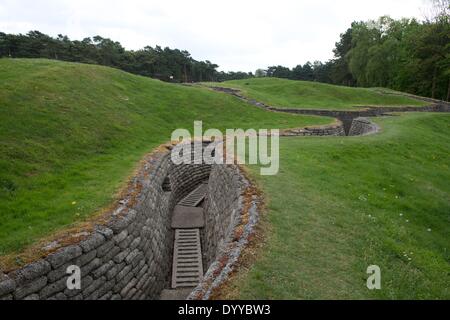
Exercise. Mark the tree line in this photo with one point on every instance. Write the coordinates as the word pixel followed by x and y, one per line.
pixel 406 55
pixel 162 63
pixel 317 71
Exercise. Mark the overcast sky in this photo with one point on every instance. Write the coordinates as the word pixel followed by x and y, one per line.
pixel 236 34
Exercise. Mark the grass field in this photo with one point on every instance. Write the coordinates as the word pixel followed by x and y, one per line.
pixel 70 134
pixel 342 204
pixel 284 93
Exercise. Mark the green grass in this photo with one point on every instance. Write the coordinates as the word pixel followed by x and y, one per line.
pixel 339 205
pixel 284 93
pixel 71 134
pixel 74 133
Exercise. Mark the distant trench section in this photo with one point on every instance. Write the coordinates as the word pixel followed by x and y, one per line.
pixel 353 122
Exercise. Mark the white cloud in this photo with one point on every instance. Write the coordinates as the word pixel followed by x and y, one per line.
pixel 236 34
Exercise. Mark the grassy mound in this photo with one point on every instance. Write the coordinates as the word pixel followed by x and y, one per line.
pixel 340 205
pixel 71 134
pixel 284 93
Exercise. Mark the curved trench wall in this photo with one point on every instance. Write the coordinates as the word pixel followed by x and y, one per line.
pixel 130 256
pixel 333 130
pixel 127 258
pixel 231 215
pixel 222 210
pixel 185 178
pixel 362 126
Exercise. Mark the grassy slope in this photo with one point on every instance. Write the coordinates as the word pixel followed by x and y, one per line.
pixel 312 95
pixel 70 134
pixel 342 204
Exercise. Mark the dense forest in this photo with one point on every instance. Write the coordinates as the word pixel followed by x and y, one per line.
pixel 406 55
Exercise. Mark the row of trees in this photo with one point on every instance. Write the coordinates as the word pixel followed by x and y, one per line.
pixel 225 76
pixel 316 71
pixel 405 55
pixel 165 64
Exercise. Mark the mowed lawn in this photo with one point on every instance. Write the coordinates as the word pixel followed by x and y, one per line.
pixel 340 205
pixel 283 93
pixel 71 134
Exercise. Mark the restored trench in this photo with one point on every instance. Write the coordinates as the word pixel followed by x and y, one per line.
pixel 347 118
pixel 177 233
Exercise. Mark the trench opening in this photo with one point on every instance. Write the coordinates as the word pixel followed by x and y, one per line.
pixel 189 186
pixel 347 122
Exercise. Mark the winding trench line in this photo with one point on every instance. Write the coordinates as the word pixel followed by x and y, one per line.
pixel 347 117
